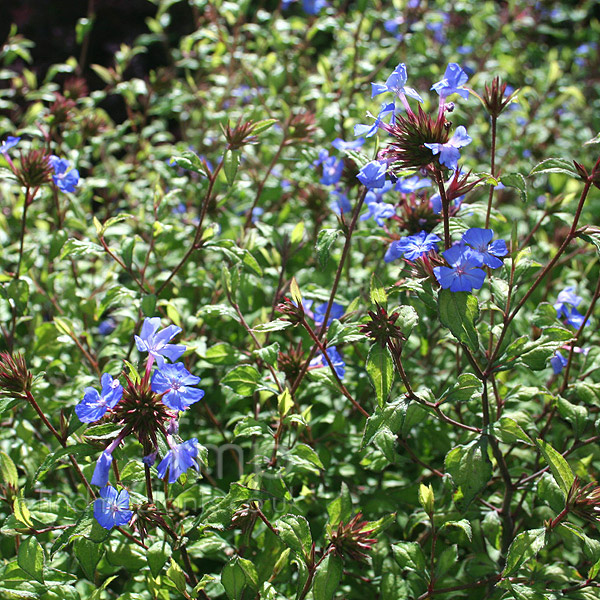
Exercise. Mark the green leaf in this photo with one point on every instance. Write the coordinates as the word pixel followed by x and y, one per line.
pixel 509 432
pixel 192 162
pixel 269 353
pixel 88 554
pixel 21 512
pixel 222 354
pixel 8 471
pixel 340 508
pixel 574 414
pixel 78 248
pixel 284 402
pixel 231 162
pixel 243 380
pixel 466 387
pixel 459 312
pixel 343 333
pixel 516 180
pixel 470 468
pixel 524 546
pixel 327 578
pixel 297 233
pixel 31 558
pixel 407 319
pixel 276 325
pixel 295 292
pixel 410 557
pixel 295 534
pixel 262 126
pixel 325 240
pixel 377 291
pixel 462 524
pixel 177 576
pixel 236 576
pixel 380 367
pixel 555 165
pixel 426 498
pixel 559 467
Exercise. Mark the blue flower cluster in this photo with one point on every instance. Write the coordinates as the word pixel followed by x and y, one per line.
pixel 332 169
pixel 173 385
pixel 466 259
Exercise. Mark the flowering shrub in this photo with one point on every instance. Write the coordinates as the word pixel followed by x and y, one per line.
pixel 379 259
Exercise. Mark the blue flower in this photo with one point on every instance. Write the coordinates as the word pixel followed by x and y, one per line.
pixel 479 240
pixel 332 170
pixel 94 404
pixel 370 130
pixel 102 470
pixel 336 312
pixel 107 326
pixel 342 145
pixel 393 25
pixel 452 82
pixel 378 211
pixel 463 274
pixel 336 359
pixel 156 344
pixel 372 175
pixel 6 145
pixel 339 202
pixel 412 246
pixel 179 459
pixel 558 362
pixel 323 156
pixel 112 509
pixel 409 185
pixel 396 84
pixel 174 381
pixel 65 180
pixel 565 305
pixel 436 202
pixel 448 152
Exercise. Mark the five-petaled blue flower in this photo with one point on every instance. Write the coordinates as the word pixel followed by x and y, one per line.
pixel 372 175
pixel 94 404
pixel 342 145
pixel 339 202
pixel 339 366
pixel 65 180
pixel 410 185
pixel 332 170
pixel 378 211
pixel 412 246
pixel 8 143
pixel 156 344
pixel 565 305
pixel 174 382
pixel 396 83
pixel 179 459
pixel 479 240
pixel 448 152
pixel 558 362
pixel 369 130
pixel 463 274
pixel 112 509
pixel 452 82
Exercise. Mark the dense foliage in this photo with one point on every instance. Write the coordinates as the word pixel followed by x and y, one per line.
pixel 247 353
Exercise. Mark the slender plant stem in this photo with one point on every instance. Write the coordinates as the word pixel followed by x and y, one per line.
pixel 196 244
pixel 336 282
